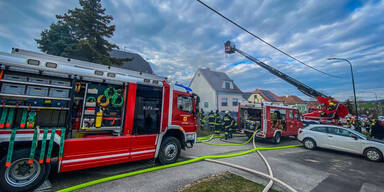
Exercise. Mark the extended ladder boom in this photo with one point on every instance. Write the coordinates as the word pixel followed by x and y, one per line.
pixel 301 86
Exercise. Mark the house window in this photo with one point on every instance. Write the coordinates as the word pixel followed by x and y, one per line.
pixel 235 101
pixel 227 85
pixel 224 101
pixel 206 104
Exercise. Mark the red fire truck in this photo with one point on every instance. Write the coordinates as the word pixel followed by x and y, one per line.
pixel 268 120
pixel 81 115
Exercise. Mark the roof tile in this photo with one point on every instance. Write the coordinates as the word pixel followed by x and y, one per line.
pixel 216 80
pixel 137 64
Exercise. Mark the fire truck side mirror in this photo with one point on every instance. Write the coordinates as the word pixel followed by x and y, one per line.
pixel 197 103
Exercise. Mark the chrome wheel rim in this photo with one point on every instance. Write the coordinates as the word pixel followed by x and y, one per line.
pixel 170 151
pixel 308 144
pixel 21 173
pixel 373 155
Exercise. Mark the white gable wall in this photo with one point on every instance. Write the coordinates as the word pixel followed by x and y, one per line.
pixel 203 89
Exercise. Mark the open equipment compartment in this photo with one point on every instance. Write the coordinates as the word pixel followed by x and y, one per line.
pixel 99 109
pixel 28 100
pixel 33 99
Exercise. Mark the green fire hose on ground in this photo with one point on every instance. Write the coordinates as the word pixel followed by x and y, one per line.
pixel 120 176
pixel 224 144
pixel 213 136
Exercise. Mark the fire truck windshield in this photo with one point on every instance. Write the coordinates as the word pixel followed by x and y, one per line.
pixel 185 103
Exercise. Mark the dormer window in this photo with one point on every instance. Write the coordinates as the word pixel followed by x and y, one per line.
pixel 227 85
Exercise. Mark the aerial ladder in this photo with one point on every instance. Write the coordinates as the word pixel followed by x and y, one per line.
pixel 330 108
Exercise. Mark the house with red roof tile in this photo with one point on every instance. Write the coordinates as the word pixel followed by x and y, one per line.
pixel 261 96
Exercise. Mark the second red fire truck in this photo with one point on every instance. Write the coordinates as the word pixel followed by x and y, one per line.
pixel 81 115
pixel 269 121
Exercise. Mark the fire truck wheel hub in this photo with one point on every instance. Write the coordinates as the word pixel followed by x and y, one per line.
pixel 171 151
pixel 21 173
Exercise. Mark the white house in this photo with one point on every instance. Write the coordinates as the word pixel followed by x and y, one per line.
pixel 216 91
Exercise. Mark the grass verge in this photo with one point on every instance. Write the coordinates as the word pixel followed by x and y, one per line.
pixel 225 182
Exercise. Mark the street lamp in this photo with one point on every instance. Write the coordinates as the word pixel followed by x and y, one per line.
pixel 354 91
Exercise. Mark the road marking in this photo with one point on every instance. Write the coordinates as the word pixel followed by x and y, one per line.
pixel 312 160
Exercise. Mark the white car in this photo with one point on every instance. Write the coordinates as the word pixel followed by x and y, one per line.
pixel 341 139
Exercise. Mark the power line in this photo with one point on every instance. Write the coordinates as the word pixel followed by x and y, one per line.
pixel 262 40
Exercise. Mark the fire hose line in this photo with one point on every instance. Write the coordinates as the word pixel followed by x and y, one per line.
pixel 269 185
pixel 225 144
pixel 214 136
pixel 210 157
pixel 253 171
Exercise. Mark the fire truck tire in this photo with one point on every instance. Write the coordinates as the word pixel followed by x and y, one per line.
pixel 21 176
pixel 277 138
pixel 169 150
pixel 309 143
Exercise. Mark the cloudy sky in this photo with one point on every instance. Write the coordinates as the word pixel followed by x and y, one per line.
pixel 179 36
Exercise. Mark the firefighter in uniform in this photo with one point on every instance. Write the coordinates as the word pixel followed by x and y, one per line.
pixel 369 127
pixel 203 119
pixel 228 123
pixel 218 122
pixel 349 122
pixel 211 120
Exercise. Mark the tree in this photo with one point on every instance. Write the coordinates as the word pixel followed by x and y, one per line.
pixel 58 40
pixel 80 34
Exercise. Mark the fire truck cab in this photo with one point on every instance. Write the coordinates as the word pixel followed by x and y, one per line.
pixel 269 121
pixel 80 115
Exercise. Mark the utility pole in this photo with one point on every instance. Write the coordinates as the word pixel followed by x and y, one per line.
pixel 354 90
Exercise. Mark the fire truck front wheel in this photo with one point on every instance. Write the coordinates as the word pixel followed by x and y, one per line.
pixel 20 175
pixel 169 150
pixel 277 138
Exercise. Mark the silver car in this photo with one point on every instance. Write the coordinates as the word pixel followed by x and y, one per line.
pixel 341 139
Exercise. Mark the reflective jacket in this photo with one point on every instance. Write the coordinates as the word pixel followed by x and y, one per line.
pixel 202 117
pixel 228 121
pixel 211 118
pixel 217 120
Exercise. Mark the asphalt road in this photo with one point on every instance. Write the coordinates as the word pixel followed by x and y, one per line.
pixel 319 170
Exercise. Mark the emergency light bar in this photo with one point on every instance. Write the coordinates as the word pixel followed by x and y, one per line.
pixel 183 86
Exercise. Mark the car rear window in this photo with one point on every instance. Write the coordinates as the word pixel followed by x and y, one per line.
pixel 320 129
